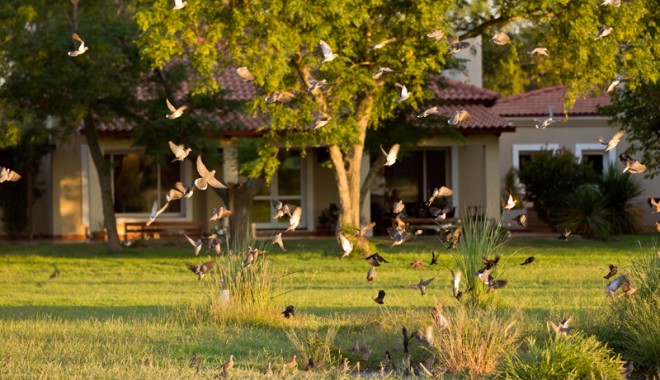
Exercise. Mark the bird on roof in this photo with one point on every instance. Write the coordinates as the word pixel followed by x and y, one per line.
pixel 562 328
pixel 390 156
pixel 8 175
pixel 403 92
pixel 436 34
pixel 362 231
pixel 328 55
pixel 277 239
pixel 456 283
pixel 197 244
pixel 206 177
pixel 289 311
pixel 521 220
pixel 441 192
pixel 632 165
pixel 380 298
pixel 421 285
pixel 219 213
pixel 180 152
pixel 174 111
pixel 539 51
pixel 371 274
pixel 320 120
pixel 375 260
pixel 294 220
pixel 501 38
pixel 417 264
pixel 398 235
pixel 528 260
pixel 434 258
pixel 201 270
pixel 429 111
pixel 655 204
pixel 280 96
pixel 510 203
pixel 245 74
pixel 383 70
pixel 564 236
pixel 613 270
pixel 155 211
pixel 345 245
pixel 459 117
pixel 179 4
pixel 398 207
pixel 382 43
pixel 542 124
pixel 79 46
pixel 614 141
pixel 603 31
pixel 620 282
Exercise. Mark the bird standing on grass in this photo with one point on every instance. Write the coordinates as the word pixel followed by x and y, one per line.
pixel 381 296
pixel 289 311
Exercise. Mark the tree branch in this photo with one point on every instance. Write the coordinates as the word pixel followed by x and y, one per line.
pixel 481 28
pixel 371 177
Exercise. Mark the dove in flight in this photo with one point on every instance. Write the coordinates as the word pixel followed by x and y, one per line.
pixel 390 157
pixel 245 74
pixel 206 177
pixel 328 55
pixel 155 211
pixel 79 45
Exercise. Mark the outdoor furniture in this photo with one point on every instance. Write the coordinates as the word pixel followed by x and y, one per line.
pixel 158 229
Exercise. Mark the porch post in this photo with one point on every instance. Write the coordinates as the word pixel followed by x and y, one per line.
pixel 492 174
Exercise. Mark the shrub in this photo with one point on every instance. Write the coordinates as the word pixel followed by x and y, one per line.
pixel 619 189
pixel 574 356
pixel 586 213
pixel 549 177
pixel 474 342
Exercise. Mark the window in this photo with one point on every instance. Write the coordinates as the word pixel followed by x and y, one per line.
pixel 136 182
pixel 595 156
pixel 287 186
pixel 523 153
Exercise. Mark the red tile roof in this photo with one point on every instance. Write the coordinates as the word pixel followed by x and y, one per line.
pixel 536 103
pixel 455 92
pixel 482 119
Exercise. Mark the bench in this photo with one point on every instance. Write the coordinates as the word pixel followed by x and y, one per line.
pixel 417 223
pixel 158 229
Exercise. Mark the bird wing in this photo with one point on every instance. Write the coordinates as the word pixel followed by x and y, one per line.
pixel 346 245
pixel 206 267
pixel 325 48
pixel 427 282
pixel 277 205
pixel 78 42
pixel 170 106
pixel 190 240
pixel 244 73
pixel 201 168
pixel 295 217
pixel 456 283
pixel 394 151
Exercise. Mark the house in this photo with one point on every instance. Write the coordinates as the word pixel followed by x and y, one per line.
pixel 576 129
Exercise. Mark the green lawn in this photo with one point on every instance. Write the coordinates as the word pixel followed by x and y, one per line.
pixel 106 313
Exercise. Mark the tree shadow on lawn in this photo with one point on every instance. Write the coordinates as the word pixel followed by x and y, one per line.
pixel 29 312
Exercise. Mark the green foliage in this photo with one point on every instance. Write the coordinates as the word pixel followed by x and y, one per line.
pixel 619 189
pixel 318 345
pixel 575 356
pixel 475 342
pixel 586 213
pixel 635 109
pixel 549 178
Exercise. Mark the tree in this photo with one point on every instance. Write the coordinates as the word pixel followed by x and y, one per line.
pixel 278 41
pixel 78 92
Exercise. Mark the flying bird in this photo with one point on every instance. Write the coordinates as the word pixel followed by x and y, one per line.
pixel 542 124
pixel 456 46
pixel 277 239
pixel 403 92
pixel 382 43
pixel 155 211
pixel 280 208
pixel 604 31
pixel 632 165
pixel 245 74
pixel 371 274
pixel 490 264
pixel 174 112
pixel 655 204
pixel 8 175
pixel 206 177
pixel 439 214
pixel 345 245
pixel 328 55
pixel 614 83
pixel 564 236
pixel 375 260
pixel 320 120
pixel 456 284
pixel 79 45
pixel 421 285
pixel 612 3
pixel 501 38
pixel 294 220
pixel 417 264
pixel 510 203
pixel 390 157
pixel 289 311
pixel 316 84
pixel 398 207
pixel 620 282
pixel 383 70
pixel 219 213
pixel 434 258
pixel 280 96
pixel 361 232
pixel 197 244
pixel 539 51
pixel 442 192
pixel 398 235
pixel 436 34
pixel 201 270
pixel 179 191
pixel 459 117
pixel 180 152
pixel 179 4
pixel 528 260
pixel 614 141
pixel 562 328
pixel 613 270
pixel 429 111
pixel 380 298
pixel 521 220
pixel 452 237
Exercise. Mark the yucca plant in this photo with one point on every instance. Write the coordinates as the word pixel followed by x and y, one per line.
pixel 619 189
pixel 474 342
pixel 481 237
pixel 586 212
pixel 574 356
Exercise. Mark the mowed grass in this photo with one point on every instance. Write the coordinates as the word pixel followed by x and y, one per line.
pixel 105 313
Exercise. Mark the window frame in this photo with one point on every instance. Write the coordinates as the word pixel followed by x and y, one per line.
pixel 609 158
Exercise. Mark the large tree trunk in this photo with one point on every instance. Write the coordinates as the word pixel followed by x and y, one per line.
pixel 109 220
pixel 240 200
